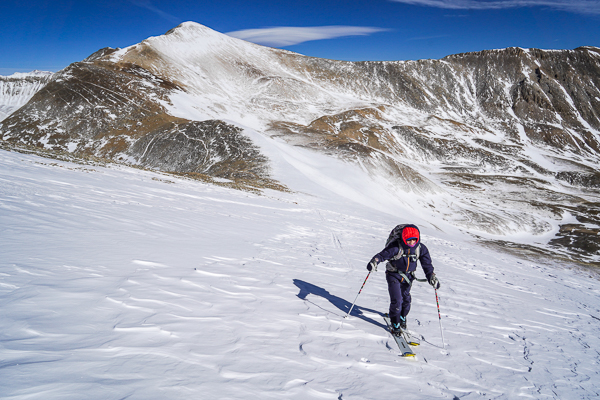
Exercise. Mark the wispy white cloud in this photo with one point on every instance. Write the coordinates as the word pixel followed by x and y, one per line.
pixel 151 7
pixel 575 6
pixel 287 36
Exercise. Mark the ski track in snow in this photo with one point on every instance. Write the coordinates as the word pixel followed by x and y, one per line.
pixel 120 283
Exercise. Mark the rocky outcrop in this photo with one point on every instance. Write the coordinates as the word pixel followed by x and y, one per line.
pixel 209 147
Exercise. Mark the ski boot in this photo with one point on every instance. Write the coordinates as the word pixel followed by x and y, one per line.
pixel 396 329
pixel 402 323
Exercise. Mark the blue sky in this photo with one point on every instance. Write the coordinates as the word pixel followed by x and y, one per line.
pixel 49 35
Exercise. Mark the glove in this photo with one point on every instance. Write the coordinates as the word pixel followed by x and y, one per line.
pixel 433 281
pixel 372 265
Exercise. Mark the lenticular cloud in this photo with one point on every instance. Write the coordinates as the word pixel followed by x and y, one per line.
pixel 287 36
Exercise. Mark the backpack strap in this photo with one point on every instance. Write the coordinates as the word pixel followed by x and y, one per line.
pixel 413 257
pixel 403 275
pixel 399 255
pixel 410 282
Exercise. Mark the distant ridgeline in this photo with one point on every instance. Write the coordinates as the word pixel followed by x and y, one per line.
pixel 17 89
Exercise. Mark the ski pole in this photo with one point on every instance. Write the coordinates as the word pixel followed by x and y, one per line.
pixel 440 316
pixel 361 288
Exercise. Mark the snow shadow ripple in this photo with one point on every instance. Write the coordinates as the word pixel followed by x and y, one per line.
pixel 343 305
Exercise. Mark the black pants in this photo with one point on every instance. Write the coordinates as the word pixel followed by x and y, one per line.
pixel 400 298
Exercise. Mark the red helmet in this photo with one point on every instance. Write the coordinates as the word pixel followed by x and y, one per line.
pixel 410 233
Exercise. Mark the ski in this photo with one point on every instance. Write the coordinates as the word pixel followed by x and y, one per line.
pixel 411 339
pixel 400 340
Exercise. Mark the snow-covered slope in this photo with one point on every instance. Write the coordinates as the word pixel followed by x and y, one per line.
pixel 17 89
pixel 504 144
pixel 121 283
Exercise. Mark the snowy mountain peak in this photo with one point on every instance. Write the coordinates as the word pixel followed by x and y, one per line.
pixel 197 34
pixel 191 42
pixel 191 34
pixel 35 72
pixel 193 30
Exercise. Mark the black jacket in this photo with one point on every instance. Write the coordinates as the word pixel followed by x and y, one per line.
pixel 406 263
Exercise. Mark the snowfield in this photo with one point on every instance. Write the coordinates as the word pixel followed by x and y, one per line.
pixel 118 283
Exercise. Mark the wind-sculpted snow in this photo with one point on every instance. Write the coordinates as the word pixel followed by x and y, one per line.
pixel 501 143
pixel 122 283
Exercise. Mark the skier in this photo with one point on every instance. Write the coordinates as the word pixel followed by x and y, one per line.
pixel 402 254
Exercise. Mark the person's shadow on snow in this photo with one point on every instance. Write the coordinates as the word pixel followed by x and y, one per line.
pixel 343 305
